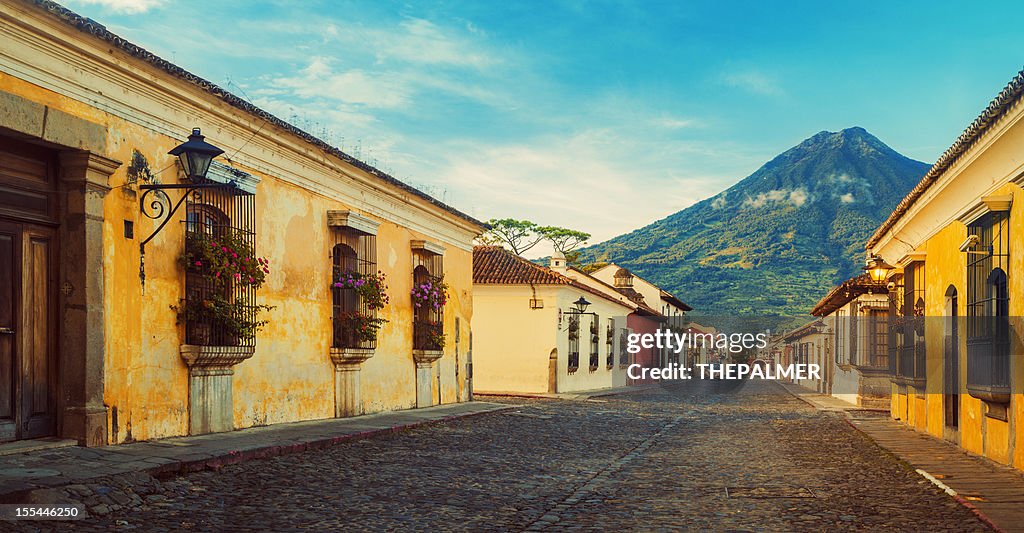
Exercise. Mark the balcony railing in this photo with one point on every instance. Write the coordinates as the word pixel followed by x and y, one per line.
pixel 427 335
pixel 988 365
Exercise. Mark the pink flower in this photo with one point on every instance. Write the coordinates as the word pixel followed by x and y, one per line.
pixel 199 263
pixel 224 249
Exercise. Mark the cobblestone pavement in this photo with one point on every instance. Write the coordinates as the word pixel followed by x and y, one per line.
pixel 701 457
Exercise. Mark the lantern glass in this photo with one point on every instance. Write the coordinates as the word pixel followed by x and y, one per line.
pixel 878 269
pixel 195 155
pixel 581 305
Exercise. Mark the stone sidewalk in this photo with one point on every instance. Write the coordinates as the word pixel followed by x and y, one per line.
pixel 39 475
pixel 577 395
pixel 992 491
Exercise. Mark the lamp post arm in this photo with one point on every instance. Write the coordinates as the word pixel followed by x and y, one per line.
pixel 160 209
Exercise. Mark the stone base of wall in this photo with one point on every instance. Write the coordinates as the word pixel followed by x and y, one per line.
pixel 210 377
pixel 425 376
pixel 348 399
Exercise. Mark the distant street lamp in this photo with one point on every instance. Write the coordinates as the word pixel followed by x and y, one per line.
pixel 878 269
pixel 581 305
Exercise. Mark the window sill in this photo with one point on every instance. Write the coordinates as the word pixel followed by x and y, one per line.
pixel 427 356
pixel 349 356
pixel 215 356
pixel 997 395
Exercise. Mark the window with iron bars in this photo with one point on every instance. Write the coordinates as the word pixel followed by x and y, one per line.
pixel 988 331
pixel 595 343
pixel 428 323
pixel 574 342
pixel 907 327
pixel 873 335
pixel 840 331
pixel 624 347
pixel 225 306
pixel 609 340
pixel 353 253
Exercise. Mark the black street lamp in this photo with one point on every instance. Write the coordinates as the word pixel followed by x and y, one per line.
pixel 581 305
pixel 195 156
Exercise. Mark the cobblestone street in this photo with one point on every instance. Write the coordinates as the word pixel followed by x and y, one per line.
pixel 752 459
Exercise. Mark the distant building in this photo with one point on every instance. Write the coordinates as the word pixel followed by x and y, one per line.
pixel 809 344
pixel 527 337
pixel 641 291
pixel 855 313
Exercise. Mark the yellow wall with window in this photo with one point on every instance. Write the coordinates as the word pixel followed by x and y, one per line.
pixel 290 377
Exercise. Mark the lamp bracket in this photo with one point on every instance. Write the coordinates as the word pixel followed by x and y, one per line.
pixel 162 209
pixel 573 312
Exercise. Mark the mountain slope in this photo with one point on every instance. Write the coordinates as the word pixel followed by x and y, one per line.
pixel 779 239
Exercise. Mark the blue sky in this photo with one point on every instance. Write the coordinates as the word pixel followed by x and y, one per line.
pixel 601 116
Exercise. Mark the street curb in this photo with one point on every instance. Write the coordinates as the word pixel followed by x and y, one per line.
pixel 217 462
pixel 957 498
pixel 975 511
pixel 235 457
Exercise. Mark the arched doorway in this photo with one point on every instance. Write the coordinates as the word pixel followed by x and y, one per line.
pixel 553 371
pixel 951 363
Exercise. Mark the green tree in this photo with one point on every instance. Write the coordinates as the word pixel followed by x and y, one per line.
pixel 564 240
pixel 518 235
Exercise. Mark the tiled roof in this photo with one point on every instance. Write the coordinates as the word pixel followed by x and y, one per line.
pixel 845 292
pixel 87 25
pixel 996 108
pixel 494 265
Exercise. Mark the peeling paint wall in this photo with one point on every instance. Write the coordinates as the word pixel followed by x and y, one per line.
pixel 291 376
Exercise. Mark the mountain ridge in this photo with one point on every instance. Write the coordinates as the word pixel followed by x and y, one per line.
pixel 776 240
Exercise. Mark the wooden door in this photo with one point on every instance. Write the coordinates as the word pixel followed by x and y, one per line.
pixel 27 336
pixel 10 257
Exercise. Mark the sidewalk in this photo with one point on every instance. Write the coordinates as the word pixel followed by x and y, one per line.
pixel 578 395
pixel 26 476
pixel 994 492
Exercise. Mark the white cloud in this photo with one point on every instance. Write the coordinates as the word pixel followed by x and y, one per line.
pixel 131 7
pixel 846 198
pixel 584 181
pixel 795 197
pixel 719 202
pixel 674 123
pixel 753 81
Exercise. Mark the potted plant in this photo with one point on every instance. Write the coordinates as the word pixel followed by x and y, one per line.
pixel 431 294
pixel 372 289
pixel 359 327
pixel 212 312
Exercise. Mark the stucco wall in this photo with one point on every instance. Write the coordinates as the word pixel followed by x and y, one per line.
pixel 290 377
pixel 512 343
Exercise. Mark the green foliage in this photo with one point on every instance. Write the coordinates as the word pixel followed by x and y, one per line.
pixel 518 235
pixel 223 261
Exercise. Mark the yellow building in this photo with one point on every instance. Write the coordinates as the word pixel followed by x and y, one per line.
pixel 956 240
pixel 528 337
pixel 89 351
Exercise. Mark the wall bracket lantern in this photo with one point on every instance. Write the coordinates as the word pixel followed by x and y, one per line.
pixel 195 156
pixel 578 309
pixel 877 269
